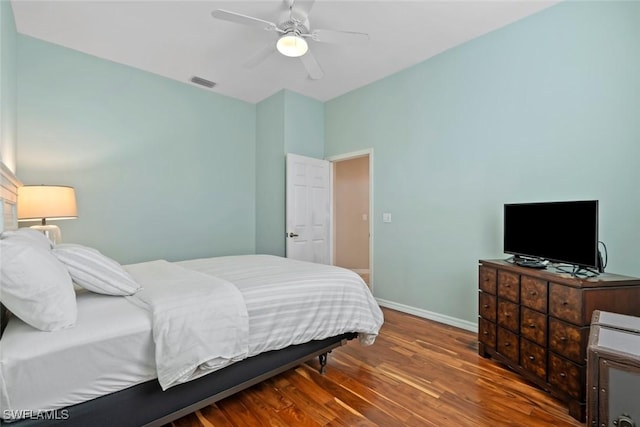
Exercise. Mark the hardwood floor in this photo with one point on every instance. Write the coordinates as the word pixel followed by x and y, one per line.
pixel 418 373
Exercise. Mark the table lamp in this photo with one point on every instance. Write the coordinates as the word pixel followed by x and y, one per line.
pixel 42 202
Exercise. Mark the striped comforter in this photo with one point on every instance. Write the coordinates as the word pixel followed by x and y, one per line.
pixel 200 329
pixel 292 302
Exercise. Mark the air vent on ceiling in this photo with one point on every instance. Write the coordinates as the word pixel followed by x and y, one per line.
pixel 202 82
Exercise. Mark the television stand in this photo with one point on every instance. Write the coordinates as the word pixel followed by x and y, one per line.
pixel 537 322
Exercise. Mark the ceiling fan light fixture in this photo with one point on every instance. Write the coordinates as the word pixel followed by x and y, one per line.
pixel 292 45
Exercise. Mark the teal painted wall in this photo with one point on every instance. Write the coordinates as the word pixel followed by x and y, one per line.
pixel 286 122
pixel 270 175
pixel 545 109
pixel 8 95
pixel 116 134
pixel 161 169
pixel 304 125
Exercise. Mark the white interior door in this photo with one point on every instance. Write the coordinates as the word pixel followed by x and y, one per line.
pixel 308 204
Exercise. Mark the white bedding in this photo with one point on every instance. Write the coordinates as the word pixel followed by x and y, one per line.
pixel 199 322
pixel 111 347
pixel 291 302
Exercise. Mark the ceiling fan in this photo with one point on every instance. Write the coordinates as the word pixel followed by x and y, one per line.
pixel 292 30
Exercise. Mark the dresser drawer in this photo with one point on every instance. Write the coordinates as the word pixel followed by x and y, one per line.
pixel 568 340
pixel 507 345
pixel 565 303
pixel 533 293
pixel 487 279
pixel 509 285
pixel 533 358
pixel 509 315
pixel 567 376
pixel 487 306
pixel 487 333
pixel 533 326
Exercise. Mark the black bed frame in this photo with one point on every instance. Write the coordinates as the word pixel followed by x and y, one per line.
pixel 146 404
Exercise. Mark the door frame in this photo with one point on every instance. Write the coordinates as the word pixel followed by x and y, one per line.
pixel 339 158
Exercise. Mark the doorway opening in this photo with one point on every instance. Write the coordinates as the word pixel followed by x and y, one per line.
pixel 352 204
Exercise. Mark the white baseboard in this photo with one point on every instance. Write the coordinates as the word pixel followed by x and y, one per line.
pixel 437 317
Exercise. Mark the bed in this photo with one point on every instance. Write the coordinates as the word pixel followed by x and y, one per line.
pixel 106 370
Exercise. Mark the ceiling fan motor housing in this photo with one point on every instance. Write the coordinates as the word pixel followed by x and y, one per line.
pixel 294 27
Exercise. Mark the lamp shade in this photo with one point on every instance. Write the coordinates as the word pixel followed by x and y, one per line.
pixel 41 202
pixel 293 45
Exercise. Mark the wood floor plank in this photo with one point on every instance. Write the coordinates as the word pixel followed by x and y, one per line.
pixel 238 413
pixel 213 416
pixel 418 373
pixel 347 416
pixel 252 399
pixel 391 412
pixel 188 420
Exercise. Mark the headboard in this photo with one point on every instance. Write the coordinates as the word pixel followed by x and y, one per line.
pixel 8 198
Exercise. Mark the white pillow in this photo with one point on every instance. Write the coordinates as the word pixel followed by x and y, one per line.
pixel 35 286
pixel 30 235
pixel 95 271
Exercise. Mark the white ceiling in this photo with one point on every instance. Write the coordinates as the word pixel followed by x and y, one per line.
pixel 180 39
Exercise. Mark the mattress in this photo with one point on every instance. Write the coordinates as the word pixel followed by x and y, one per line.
pixel 109 349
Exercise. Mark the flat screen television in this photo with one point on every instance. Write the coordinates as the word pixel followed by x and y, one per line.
pixel 563 232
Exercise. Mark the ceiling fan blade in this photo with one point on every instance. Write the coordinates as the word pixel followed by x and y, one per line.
pixel 331 36
pixel 312 66
pixel 239 18
pixel 260 55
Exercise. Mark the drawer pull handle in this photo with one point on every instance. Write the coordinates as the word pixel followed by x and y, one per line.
pixel 563 375
pixel 507 315
pixel 507 285
pixel 563 338
pixel 507 344
pixel 485 333
pixel 485 306
pixel 532 325
pixel 532 358
pixel 565 303
pixel 532 293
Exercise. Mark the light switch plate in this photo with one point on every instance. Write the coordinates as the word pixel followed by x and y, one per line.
pixel 386 217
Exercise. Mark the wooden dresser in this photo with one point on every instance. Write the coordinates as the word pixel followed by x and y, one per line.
pixel 537 322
